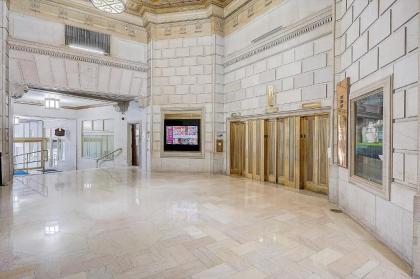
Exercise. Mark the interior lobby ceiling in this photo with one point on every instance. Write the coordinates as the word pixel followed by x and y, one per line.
pixel 139 7
pixel 168 6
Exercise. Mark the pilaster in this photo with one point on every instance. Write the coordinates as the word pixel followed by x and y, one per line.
pixel 5 123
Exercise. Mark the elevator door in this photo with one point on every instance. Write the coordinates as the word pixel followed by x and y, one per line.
pixel 270 150
pixel 314 155
pixel 254 149
pixel 288 151
pixel 237 148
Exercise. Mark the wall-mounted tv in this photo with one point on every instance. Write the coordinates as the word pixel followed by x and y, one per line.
pixel 182 135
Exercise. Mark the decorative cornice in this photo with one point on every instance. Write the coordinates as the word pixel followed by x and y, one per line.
pixel 190 28
pixel 161 7
pixel 296 33
pixel 84 16
pixel 66 54
pixel 243 12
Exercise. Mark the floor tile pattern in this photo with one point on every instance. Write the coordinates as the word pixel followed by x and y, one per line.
pixel 120 223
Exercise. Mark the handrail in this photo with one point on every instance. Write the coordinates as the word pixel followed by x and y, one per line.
pixel 26 160
pixel 25 154
pixel 107 155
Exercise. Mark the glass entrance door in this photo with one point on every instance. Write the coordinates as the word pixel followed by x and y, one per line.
pixel 314 155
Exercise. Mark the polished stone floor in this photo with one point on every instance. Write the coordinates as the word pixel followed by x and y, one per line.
pixel 121 224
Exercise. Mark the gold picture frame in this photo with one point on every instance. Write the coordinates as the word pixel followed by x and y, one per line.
pixel 384 86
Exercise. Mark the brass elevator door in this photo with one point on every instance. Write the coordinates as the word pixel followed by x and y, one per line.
pixel 254 149
pixel 314 154
pixel 237 148
pixel 287 163
pixel 270 138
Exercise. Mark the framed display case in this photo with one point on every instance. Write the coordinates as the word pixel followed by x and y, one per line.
pixel 370 137
pixel 182 133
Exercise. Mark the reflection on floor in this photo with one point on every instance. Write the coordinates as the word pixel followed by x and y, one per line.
pixel 120 224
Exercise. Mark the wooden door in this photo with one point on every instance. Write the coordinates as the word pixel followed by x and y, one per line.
pixel 314 155
pixel 237 148
pixel 288 151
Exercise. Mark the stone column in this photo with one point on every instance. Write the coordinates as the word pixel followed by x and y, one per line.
pixel 5 123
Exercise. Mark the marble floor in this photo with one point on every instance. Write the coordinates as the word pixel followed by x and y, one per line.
pixel 120 223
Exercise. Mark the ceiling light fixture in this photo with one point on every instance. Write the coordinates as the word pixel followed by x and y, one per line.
pixel 52 228
pixel 110 6
pixel 98 51
pixel 51 103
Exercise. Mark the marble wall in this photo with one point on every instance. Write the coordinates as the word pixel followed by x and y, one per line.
pixel 299 67
pixel 376 39
pixel 39 57
pixel 187 73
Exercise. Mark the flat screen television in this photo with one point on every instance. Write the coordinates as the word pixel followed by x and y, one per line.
pixel 182 135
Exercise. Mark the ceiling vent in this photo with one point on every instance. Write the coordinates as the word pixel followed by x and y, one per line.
pixel 87 40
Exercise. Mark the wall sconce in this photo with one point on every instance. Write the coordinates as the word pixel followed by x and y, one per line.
pixel 270 96
pixel 271 100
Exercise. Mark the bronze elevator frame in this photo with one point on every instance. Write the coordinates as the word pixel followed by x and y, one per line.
pixel 274 150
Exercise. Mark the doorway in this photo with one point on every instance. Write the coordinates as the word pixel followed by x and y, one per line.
pixel 237 148
pixel 135 144
pixel 314 155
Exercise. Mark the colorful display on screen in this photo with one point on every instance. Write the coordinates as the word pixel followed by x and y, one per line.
pixel 182 135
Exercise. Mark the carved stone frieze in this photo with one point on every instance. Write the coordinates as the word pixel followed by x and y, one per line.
pixel 203 27
pixel 170 6
pixel 80 17
pixel 72 55
pixel 247 12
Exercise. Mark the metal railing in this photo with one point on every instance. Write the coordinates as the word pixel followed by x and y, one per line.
pixel 40 156
pixel 107 157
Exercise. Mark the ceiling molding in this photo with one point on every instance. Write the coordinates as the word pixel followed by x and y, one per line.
pixel 247 12
pixel 76 13
pixel 298 29
pixel 67 53
pixel 181 29
pixel 210 11
pixel 141 7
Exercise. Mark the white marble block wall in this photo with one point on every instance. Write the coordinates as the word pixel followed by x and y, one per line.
pixel 300 69
pixel 187 73
pixel 376 39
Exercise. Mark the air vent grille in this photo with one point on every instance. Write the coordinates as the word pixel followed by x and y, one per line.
pixel 83 38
